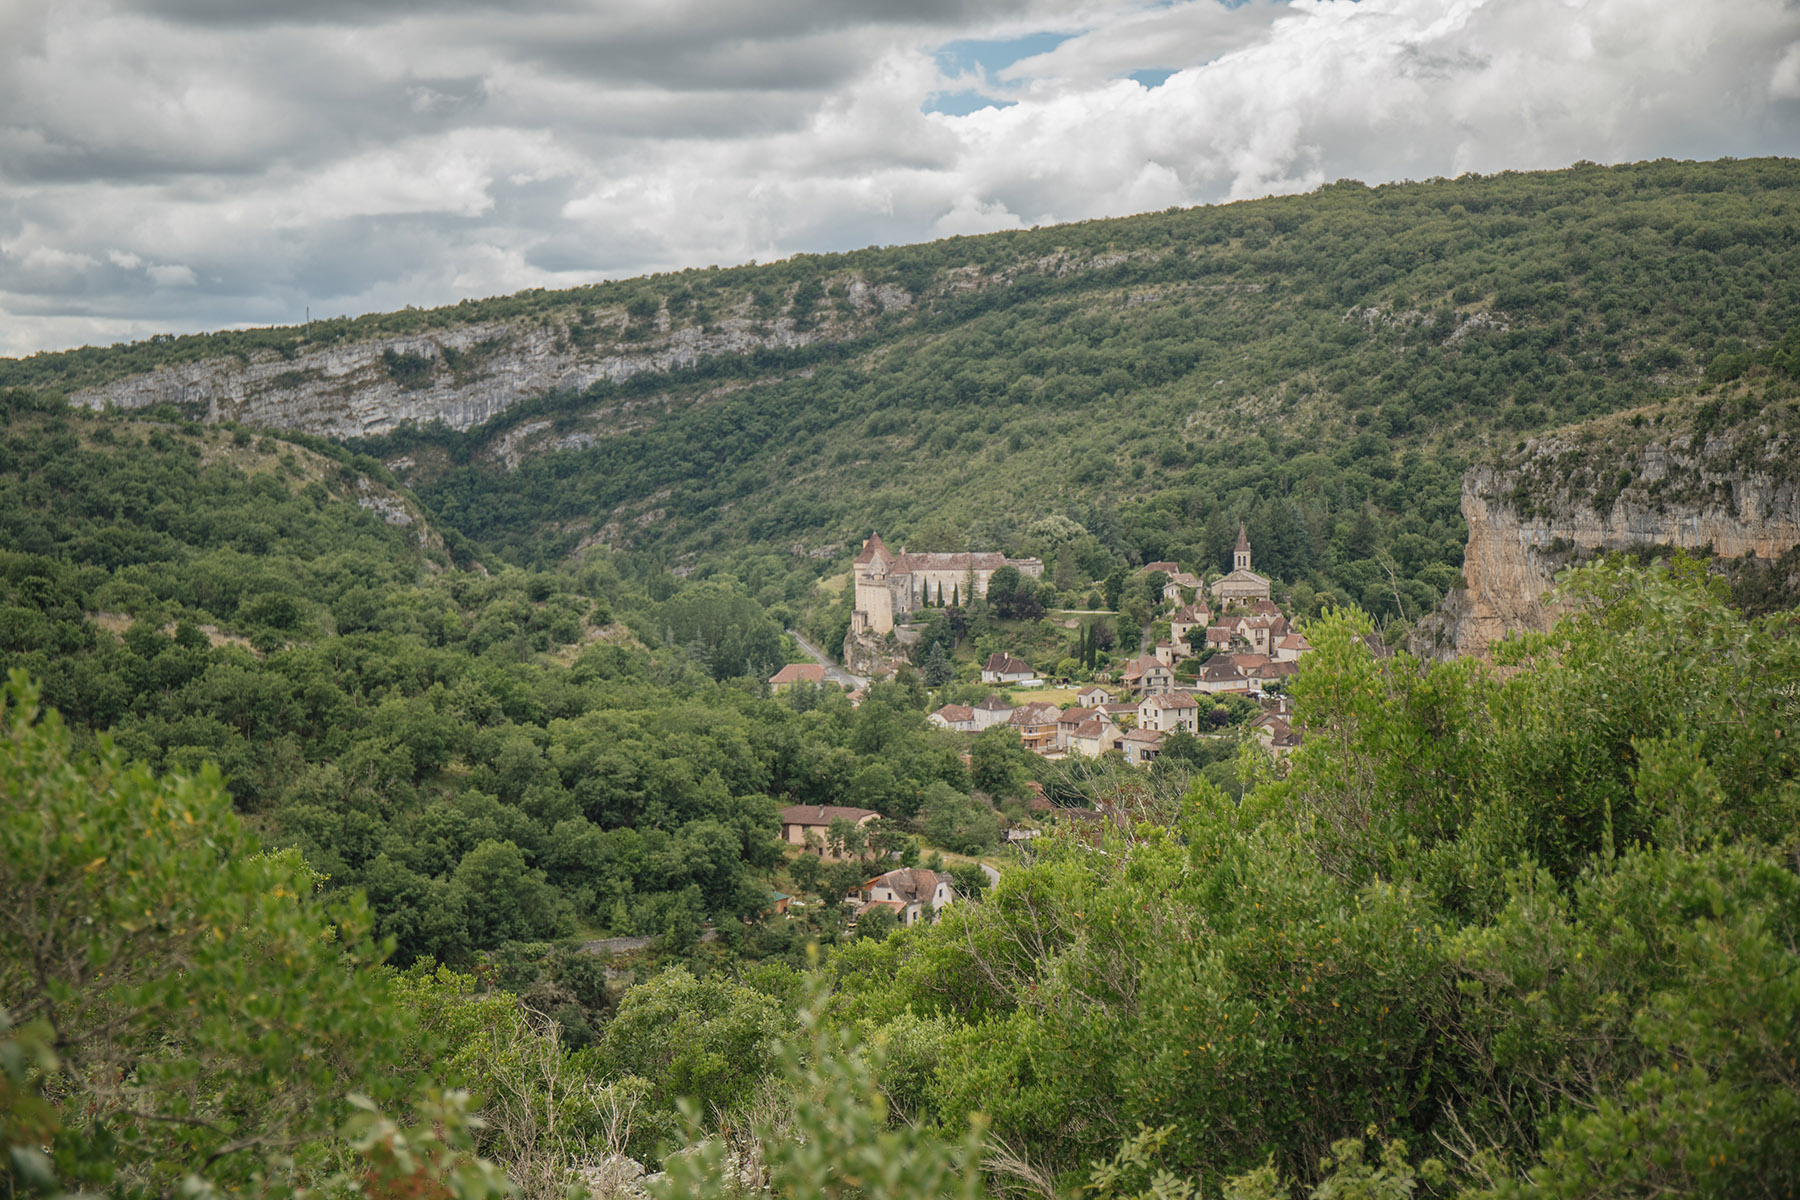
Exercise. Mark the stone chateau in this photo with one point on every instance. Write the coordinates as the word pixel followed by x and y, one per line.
pixel 889 585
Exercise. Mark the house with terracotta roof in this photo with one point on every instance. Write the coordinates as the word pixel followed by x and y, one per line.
pixel 788 676
pixel 1094 737
pixel 1069 721
pixel 1169 712
pixel 1141 746
pixel 959 717
pixel 1291 647
pixel 910 892
pixel 1181 586
pixel 798 820
pixel 1036 725
pixel 1093 695
pixel 1218 637
pixel 1277 736
pixel 1004 668
pixel 1167 568
pixel 1195 616
pixel 1145 676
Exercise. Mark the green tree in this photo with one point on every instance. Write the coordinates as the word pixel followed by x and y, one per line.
pixel 197 1015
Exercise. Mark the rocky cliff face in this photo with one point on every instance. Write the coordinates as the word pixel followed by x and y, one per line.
pixel 462 375
pixel 1705 476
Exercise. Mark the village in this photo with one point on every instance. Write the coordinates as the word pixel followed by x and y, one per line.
pixel 1229 646
pixel 1228 638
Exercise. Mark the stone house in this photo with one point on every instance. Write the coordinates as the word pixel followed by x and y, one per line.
pixel 1181 587
pixel 910 892
pixel 797 820
pixel 992 711
pixel 1290 648
pixel 1069 721
pixel 1093 695
pixel 1141 746
pixel 1094 737
pixel 1221 674
pixel 1169 712
pixel 959 717
pixel 1036 726
pixel 1194 616
pixel 890 586
pixel 1146 676
pixel 1277 736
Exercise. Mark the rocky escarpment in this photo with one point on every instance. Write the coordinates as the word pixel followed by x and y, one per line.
pixel 464 375
pixel 1720 476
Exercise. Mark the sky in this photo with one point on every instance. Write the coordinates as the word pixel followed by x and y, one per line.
pixel 182 165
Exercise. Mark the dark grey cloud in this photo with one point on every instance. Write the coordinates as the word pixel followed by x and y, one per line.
pixel 181 164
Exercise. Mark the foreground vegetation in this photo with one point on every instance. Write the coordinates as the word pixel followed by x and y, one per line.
pixel 1531 931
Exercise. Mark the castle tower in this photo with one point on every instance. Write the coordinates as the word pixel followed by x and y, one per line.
pixel 1240 558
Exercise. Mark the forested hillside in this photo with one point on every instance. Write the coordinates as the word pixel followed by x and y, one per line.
pixel 355 746
pixel 1496 933
pixel 1322 366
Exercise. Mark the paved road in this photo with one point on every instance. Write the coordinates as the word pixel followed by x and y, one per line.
pixel 833 672
pixel 992 873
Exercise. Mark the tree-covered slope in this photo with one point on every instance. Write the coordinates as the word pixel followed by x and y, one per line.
pixel 1322 366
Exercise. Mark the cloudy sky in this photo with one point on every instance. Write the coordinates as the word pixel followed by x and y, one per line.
pixel 173 165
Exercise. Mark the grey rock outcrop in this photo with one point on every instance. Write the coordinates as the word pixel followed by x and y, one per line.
pixel 462 375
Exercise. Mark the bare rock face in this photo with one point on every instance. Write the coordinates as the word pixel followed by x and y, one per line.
pixel 1665 478
pixel 461 375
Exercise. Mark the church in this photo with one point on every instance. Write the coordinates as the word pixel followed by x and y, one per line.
pixel 1242 584
pixel 889 586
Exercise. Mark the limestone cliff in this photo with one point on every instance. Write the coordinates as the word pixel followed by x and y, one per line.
pixel 1720 476
pixel 462 375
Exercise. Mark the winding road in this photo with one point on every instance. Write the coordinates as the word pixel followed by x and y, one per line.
pixel 833 672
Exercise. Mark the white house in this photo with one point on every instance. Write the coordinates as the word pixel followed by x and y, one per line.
pixel 1004 668
pixel 907 891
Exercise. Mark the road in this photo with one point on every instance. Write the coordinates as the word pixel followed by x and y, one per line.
pixel 833 672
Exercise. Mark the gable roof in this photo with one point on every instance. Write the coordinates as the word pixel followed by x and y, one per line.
pixel 823 814
pixel 799 673
pixel 956 714
pixel 1094 727
pixel 1075 716
pixel 1171 700
pixel 1137 668
pixel 1005 664
pixel 871 548
pixel 1167 568
pixel 911 885
pixel 1039 713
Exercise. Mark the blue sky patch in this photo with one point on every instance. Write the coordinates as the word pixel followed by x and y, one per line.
pixel 961 104
pixel 969 54
pixel 1152 78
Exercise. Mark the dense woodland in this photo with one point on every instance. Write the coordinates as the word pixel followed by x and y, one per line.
pixel 314 776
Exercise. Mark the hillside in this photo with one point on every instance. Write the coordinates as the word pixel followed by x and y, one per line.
pixel 1322 366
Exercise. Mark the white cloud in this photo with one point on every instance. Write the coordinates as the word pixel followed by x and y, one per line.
pixel 376 154
pixel 168 275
